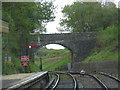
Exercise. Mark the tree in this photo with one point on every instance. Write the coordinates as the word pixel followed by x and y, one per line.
pixel 88 16
pixel 23 18
pixel 109 15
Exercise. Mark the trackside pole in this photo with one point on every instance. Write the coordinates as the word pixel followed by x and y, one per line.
pixel 40 63
pixel 26 54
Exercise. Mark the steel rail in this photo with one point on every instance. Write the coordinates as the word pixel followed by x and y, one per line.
pixel 49 85
pixel 99 81
pixel 110 76
pixel 53 81
pixel 56 83
pixel 70 75
pixel 74 80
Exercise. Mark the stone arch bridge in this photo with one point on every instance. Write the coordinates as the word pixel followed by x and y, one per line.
pixel 80 44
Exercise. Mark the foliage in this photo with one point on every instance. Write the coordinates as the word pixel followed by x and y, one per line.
pixel 15 67
pixel 8 69
pixel 34 67
pixel 89 16
pixel 23 18
pixel 50 53
pixel 109 35
pixel 108 49
pixel 53 59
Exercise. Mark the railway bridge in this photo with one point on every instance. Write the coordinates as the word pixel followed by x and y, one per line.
pixel 80 44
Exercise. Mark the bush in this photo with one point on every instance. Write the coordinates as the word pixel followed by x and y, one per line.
pixel 106 45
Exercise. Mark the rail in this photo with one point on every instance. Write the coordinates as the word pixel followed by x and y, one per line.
pixel 99 81
pixel 110 76
pixel 74 80
pixel 55 80
pixel 54 83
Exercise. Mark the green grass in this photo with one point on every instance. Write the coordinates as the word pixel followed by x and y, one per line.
pixel 52 65
pixel 63 57
pixel 51 53
pixel 106 46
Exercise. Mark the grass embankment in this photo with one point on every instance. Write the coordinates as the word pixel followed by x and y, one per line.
pixel 51 65
pixel 106 45
pixel 54 59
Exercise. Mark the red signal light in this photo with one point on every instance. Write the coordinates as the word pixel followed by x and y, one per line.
pixel 34 46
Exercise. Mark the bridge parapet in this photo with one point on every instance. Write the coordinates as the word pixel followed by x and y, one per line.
pixel 68 36
pixel 79 43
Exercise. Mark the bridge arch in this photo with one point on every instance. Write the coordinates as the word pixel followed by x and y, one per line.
pixel 80 44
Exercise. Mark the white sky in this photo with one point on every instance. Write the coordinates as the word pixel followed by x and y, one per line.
pixel 51 26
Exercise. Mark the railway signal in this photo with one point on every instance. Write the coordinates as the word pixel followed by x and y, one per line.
pixel 33 46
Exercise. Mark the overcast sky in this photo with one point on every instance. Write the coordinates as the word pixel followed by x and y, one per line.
pixel 51 26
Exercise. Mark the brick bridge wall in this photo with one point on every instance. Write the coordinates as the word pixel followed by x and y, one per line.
pixel 80 44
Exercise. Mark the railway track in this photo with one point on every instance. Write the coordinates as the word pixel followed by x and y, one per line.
pixel 110 76
pixel 74 81
pixel 110 81
pixel 54 82
pixel 99 81
pixel 60 82
pixel 68 80
pixel 105 81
